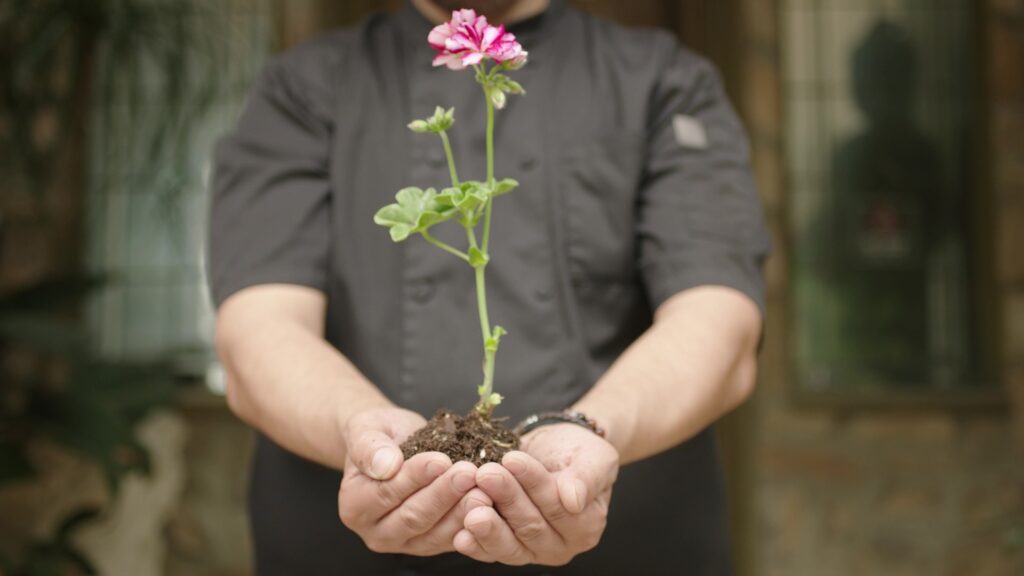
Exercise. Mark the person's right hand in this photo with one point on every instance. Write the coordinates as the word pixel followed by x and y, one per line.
pixel 415 506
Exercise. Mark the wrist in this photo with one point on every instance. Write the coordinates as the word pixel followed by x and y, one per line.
pixel 614 421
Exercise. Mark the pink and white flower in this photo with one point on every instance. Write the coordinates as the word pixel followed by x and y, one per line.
pixel 467 39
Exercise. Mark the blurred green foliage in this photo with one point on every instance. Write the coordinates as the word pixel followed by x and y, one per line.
pixel 154 64
pixel 55 389
pixel 77 71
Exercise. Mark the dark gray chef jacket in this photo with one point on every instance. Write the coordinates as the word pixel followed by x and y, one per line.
pixel 634 185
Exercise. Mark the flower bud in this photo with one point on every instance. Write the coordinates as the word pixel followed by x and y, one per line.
pixel 419 126
pixel 497 98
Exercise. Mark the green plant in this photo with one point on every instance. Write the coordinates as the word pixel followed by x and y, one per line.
pixel 465 41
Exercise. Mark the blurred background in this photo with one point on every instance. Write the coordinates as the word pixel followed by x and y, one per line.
pixel 887 433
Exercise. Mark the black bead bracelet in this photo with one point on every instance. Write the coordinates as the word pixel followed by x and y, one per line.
pixel 565 417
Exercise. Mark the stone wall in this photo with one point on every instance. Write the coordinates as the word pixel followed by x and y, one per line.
pixel 915 490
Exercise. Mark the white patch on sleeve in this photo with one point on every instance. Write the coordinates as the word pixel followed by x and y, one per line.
pixel 689 131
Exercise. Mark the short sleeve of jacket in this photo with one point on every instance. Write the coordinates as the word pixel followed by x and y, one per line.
pixel 270 207
pixel 700 221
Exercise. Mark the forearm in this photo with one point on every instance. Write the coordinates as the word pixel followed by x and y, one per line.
pixel 284 379
pixel 696 363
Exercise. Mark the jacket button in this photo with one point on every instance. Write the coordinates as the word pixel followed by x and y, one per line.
pixel 543 294
pixel 437 161
pixel 423 290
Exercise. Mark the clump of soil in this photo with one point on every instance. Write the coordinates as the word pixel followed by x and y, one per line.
pixel 474 437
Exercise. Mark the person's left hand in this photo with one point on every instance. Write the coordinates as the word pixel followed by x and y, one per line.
pixel 550 499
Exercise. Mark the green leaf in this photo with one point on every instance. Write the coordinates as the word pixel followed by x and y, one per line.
pixel 416 210
pixel 504 186
pixel 494 399
pixel 464 197
pixel 477 258
pixel 97 430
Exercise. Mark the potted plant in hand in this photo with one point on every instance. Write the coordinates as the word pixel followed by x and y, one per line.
pixel 467 41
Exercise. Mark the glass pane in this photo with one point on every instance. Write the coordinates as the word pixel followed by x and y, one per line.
pixel 879 126
pixel 146 241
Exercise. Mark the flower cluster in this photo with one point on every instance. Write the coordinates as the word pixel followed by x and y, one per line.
pixel 467 39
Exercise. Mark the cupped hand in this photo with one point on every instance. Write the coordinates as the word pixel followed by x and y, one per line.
pixel 550 500
pixel 413 506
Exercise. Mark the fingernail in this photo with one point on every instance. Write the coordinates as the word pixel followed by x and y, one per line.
pixel 580 491
pixel 383 461
pixel 515 465
pixel 480 527
pixel 496 481
pixel 435 468
pixel 474 503
pixel 464 481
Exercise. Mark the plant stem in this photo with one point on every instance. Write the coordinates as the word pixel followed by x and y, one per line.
pixel 485 323
pixel 485 329
pixel 490 139
pixel 486 236
pixel 447 248
pixel 490 351
pixel 451 158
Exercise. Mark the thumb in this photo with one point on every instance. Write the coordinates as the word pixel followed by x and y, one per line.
pixel 374 453
pixel 573 492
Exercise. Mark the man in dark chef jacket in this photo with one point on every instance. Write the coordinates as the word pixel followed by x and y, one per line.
pixel 626 268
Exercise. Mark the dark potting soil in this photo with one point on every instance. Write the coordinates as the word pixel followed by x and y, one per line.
pixel 474 437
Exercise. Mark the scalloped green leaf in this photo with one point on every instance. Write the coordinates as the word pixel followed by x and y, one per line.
pixel 416 210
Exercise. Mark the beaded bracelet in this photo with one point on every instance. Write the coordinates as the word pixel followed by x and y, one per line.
pixel 566 416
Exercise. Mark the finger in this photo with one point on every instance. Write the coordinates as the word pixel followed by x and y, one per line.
pixel 422 510
pixel 440 538
pixel 495 537
pixel 364 501
pixel 592 522
pixel 465 543
pixel 519 511
pixel 374 452
pixel 540 485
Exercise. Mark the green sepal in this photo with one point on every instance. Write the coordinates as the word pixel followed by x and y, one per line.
pixel 477 258
pixel 419 126
pixel 415 211
pixel 513 87
pixel 497 97
pixel 492 341
pixel 504 186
